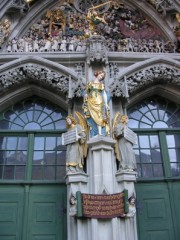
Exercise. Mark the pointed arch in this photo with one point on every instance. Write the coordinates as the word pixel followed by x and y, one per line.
pixel 171 93
pixel 23 92
pixel 41 7
pixel 39 61
pixel 39 71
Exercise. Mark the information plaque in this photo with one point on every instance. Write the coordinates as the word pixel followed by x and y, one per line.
pixel 102 206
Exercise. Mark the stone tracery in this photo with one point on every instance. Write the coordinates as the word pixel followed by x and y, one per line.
pixel 34 73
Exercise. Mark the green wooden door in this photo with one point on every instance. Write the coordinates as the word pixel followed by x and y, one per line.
pixel 154 212
pixel 11 212
pixel 47 213
pixel 33 212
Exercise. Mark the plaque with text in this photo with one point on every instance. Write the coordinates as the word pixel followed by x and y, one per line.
pixel 102 206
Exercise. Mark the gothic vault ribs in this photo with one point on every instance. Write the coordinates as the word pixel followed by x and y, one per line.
pixel 146 77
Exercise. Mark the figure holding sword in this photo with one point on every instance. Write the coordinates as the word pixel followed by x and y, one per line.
pixel 93 18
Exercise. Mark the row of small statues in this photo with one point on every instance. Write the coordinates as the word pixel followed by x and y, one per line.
pixel 79 44
pixel 141 45
pixel 96 120
pixel 28 44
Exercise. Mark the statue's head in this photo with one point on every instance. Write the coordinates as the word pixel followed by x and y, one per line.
pixel 100 75
pixel 132 200
pixel 72 200
pixel 124 119
pixel 70 120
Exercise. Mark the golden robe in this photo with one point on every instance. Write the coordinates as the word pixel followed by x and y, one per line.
pixel 95 102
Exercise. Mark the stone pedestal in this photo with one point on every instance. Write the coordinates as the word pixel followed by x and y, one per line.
pixel 126 180
pixel 101 165
pixel 101 178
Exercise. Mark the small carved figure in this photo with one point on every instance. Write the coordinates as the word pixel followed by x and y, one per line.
pixel 130 219
pixel 83 46
pixel 55 44
pixel 132 208
pixel 157 46
pixel 63 44
pixel 41 45
pixel 71 44
pixel 124 150
pixel 9 46
pixel 79 46
pixel 35 45
pixel 14 45
pixel 26 44
pixel 96 107
pixel 21 43
pixel 73 206
pixel 48 44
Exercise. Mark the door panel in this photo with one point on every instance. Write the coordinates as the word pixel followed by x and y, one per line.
pixel 154 212
pixel 47 216
pixel 176 198
pixel 11 212
pixel 43 218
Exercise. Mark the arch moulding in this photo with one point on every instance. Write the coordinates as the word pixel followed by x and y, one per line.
pixel 143 75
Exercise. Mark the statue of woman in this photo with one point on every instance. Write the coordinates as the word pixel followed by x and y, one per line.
pixel 74 153
pixel 96 107
pixel 126 153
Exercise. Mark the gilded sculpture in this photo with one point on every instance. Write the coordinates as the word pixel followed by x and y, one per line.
pixel 96 108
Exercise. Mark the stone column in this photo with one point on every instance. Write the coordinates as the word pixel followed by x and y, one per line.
pixel 101 165
pixel 101 168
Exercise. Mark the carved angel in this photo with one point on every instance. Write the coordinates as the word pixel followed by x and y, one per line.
pixel 75 139
pixel 124 147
